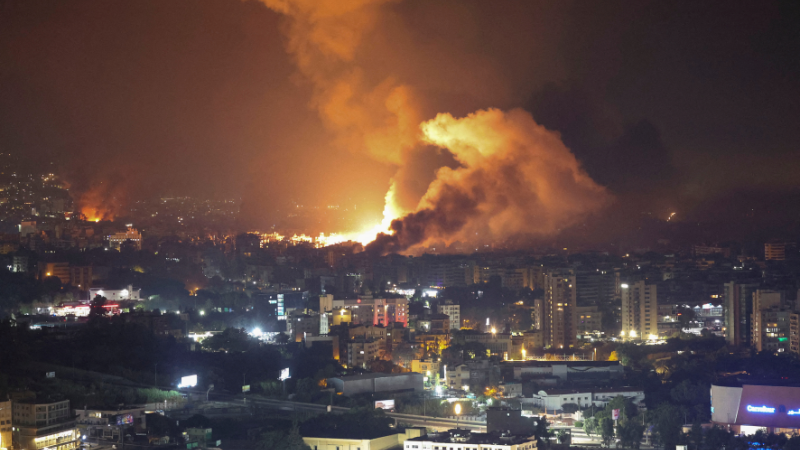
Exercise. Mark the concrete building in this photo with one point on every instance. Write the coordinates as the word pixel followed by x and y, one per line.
pixel 554 399
pixel 775 251
pixel 639 310
pixel 457 377
pixel 456 439
pixel 589 319
pixel 360 351
pixel 54 269
pixel 303 325
pixel 574 372
pixel 81 277
pixel 434 324
pixel 497 343
pixel 94 423
pixel 427 368
pixel 377 382
pixel 5 425
pixel 41 426
pixel 453 312
pixel 392 441
pixel 116 240
pixel 794 333
pixel 560 320
pixel 128 293
pixel 738 311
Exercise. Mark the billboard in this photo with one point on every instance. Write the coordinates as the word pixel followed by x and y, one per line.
pixel 51 374
pixel 385 404
pixel 188 381
pixel 124 419
pixel 615 414
pixel 246 388
pixel 284 374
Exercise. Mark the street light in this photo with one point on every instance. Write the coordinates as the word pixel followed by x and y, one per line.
pixel 458 413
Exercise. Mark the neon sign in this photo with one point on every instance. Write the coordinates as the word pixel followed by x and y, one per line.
pixel 793 412
pixel 761 409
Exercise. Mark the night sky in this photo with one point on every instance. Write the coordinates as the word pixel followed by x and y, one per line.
pixel 688 106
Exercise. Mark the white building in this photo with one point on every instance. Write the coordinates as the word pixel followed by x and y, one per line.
pixel 129 293
pixel 555 399
pixel 452 311
pixel 467 440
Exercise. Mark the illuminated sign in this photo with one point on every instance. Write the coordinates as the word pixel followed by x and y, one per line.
pixel 190 381
pixel 385 404
pixel 124 419
pixel 760 409
pixel 793 412
pixel 284 374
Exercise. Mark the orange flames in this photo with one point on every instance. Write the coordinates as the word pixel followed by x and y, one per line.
pixel 515 177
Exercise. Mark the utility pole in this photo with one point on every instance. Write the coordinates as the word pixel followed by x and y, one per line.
pixel 155 375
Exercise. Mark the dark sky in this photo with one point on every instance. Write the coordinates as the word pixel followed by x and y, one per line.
pixel 671 105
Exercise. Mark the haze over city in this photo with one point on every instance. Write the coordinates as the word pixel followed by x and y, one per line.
pixel 385 224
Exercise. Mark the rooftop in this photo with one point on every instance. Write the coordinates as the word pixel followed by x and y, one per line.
pixel 372 376
pixel 468 437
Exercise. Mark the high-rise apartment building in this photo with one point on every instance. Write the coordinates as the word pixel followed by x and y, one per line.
pixel 639 310
pixel 775 251
pixel 738 311
pixel 770 321
pixel 452 311
pixel 560 322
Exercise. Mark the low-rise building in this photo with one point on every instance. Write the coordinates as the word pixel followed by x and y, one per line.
pixel 427 368
pixel 127 293
pixel 468 440
pixel 453 312
pixel 377 382
pixel 555 399
pixel 361 350
pixel 391 441
pixel 5 425
pixel 587 372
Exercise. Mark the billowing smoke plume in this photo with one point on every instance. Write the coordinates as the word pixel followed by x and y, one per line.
pixel 516 178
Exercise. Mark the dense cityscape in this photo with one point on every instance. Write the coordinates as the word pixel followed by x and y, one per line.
pixel 385 225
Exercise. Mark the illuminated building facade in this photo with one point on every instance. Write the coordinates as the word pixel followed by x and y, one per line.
pixel 747 408
pixel 560 302
pixel 44 426
pixel 116 240
pixel 5 425
pixel 453 312
pixel 639 310
pixel 128 293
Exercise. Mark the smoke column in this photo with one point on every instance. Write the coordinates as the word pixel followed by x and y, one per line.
pixel 515 177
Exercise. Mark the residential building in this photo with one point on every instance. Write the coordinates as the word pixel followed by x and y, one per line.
pixel 81 277
pixel 54 269
pixel 589 319
pixel 457 377
pixel 303 325
pixel 794 333
pixel 738 311
pixel 116 240
pixel 5 425
pixel 775 251
pixel 427 368
pixel 497 343
pixel 639 310
pixel 453 312
pixel 360 351
pixel 44 425
pixel 560 320
pixel 434 324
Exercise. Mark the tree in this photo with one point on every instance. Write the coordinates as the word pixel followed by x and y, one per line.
pixel 685 317
pixel 97 306
pixel 541 431
pixel 607 430
pixel 570 408
pixel 590 426
pixel 281 440
pixel 630 434
pixel 667 424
